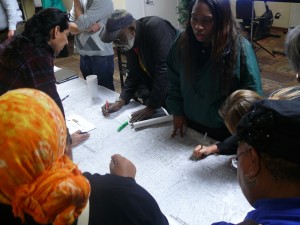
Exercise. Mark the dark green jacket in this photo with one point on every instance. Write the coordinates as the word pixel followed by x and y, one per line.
pixel 201 99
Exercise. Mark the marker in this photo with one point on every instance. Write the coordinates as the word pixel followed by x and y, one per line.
pixel 65 98
pixel 122 126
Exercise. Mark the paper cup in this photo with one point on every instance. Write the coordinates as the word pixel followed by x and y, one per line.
pixel 92 83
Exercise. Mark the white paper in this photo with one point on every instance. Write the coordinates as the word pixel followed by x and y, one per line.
pixel 188 191
pixel 76 122
pixel 153 121
pixel 56 69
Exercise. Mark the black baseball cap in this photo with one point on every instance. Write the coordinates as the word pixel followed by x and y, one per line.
pixel 117 21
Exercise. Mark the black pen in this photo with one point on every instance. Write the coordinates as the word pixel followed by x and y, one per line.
pixel 65 98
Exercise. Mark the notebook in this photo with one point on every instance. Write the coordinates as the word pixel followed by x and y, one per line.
pixel 64 74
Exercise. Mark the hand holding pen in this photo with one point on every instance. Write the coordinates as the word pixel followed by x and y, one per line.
pixel 108 108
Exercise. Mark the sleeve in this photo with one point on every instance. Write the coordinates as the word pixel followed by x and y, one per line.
pixel 131 83
pixel 228 146
pixel 40 75
pixel 12 10
pixel 120 200
pixel 174 99
pixel 249 68
pixel 97 11
pixel 161 37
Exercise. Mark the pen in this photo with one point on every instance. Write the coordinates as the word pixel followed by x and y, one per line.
pixel 122 126
pixel 64 98
pixel 106 105
pixel 203 141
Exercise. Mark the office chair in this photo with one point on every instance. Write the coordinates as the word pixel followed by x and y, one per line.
pixel 258 28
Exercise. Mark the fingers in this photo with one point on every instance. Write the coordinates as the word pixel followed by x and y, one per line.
pixel 141 114
pixel 197 151
pixel 174 133
pixel 78 137
pixel 112 107
pixel 121 166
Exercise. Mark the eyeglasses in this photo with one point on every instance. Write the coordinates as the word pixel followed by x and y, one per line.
pixel 235 159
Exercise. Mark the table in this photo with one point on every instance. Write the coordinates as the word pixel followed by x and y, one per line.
pixel 191 192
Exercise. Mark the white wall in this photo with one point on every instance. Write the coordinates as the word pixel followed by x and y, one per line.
pixel 119 4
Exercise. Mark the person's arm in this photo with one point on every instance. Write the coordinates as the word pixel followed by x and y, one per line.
pixel 160 36
pixel 13 14
pixel 96 12
pixel 249 68
pixel 174 99
pixel 131 83
pixel 116 198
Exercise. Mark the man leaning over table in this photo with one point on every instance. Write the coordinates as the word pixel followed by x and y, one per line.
pixel 145 43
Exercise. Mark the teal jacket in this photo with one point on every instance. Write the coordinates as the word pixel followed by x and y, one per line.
pixel 54 3
pixel 201 99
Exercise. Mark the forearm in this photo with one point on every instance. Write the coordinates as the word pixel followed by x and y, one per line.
pixel 74 28
pixel 77 9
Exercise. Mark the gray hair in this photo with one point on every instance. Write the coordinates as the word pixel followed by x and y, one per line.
pixel 292 45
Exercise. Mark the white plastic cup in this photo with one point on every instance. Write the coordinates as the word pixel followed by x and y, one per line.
pixel 92 83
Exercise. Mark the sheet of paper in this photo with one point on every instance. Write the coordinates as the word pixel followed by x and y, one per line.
pixel 56 69
pixel 76 122
pixel 160 116
pixel 153 121
pixel 188 191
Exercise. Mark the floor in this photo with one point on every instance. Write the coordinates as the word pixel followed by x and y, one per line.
pixel 275 71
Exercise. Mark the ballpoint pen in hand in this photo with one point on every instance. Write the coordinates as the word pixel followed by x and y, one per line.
pixel 195 158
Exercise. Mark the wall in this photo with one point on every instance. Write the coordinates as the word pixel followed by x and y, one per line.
pixel 119 4
pixel 289 12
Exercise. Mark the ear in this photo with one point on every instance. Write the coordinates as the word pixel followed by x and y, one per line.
pixel 54 32
pixel 254 164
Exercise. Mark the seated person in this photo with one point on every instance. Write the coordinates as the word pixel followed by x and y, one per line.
pixel 268 162
pixel 40 185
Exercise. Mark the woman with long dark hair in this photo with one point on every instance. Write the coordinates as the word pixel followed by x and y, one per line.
pixel 208 61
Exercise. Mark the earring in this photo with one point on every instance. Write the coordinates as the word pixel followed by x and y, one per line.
pixel 251 182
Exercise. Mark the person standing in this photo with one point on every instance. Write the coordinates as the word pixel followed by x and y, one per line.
pixel 87 20
pixel 209 60
pixel 10 15
pixel 145 43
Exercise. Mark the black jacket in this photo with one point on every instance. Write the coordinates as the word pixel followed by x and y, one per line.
pixel 153 39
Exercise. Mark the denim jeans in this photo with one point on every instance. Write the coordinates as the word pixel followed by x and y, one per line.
pixel 102 66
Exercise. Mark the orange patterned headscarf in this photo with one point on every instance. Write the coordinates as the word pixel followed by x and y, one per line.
pixel 35 176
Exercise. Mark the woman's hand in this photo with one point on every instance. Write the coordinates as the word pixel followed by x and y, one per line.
pixel 179 123
pixel 202 151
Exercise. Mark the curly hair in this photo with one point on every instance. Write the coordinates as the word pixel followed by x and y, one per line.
pixel 224 50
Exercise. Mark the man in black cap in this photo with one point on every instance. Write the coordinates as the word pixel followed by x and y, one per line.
pixel 145 43
pixel 268 161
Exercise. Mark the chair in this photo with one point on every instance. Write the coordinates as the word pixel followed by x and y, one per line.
pixel 257 28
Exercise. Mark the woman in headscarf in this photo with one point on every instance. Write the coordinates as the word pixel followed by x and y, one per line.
pixel 39 184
